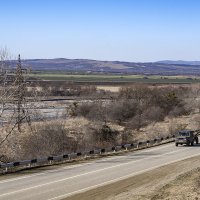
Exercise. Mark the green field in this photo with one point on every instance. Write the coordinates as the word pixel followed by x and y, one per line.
pixel 117 78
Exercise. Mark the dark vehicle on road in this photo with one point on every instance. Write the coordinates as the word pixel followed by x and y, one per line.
pixel 187 137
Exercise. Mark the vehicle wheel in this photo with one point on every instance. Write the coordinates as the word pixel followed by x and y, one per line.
pixel 176 144
pixel 188 143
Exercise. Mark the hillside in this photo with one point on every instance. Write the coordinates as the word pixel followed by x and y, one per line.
pixel 179 62
pixel 83 65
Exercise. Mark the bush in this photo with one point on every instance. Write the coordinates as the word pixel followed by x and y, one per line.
pixel 153 114
pixel 122 110
pixel 178 111
pixel 46 140
pixel 137 106
pixel 104 136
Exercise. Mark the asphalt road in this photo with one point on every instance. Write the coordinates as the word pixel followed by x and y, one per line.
pixel 66 181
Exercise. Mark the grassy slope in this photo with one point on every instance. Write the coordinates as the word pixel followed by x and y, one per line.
pixel 118 78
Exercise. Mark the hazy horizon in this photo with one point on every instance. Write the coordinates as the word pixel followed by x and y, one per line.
pixel 68 58
pixel 109 60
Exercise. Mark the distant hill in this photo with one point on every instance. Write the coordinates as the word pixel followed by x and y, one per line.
pixel 179 62
pixel 95 66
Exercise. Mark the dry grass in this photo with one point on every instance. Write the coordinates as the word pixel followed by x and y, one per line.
pixel 184 187
pixel 81 134
pixel 170 126
pixel 109 88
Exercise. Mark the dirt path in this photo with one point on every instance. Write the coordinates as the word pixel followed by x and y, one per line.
pixel 177 181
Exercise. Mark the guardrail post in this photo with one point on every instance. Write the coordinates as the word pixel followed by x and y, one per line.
pixel 113 149
pixel 91 152
pixel 50 159
pixel 156 141
pixel 103 151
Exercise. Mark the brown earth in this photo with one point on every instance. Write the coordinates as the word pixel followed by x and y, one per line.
pixel 177 181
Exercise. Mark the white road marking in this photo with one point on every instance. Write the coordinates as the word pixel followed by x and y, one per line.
pixel 119 179
pixel 39 174
pixel 79 165
pixel 99 170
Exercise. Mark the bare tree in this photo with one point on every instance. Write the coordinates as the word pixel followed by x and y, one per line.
pixel 3 79
pixel 22 111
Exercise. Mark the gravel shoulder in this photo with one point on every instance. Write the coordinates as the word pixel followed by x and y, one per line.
pixel 177 181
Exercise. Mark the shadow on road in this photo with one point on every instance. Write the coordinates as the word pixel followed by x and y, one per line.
pixel 184 145
pixel 196 145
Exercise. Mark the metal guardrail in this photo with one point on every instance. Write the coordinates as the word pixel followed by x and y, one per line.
pixel 6 167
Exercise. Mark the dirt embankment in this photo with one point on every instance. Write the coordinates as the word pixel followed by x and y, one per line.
pixel 177 181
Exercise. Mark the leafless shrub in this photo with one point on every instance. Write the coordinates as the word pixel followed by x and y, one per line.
pixel 103 135
pixel 11 148
pixel 192 100
pixel 138 92
pixel 85 109
pixel 145 117
pixel 67 89
pixel 54 138
pixel 137 107
pixel 95 111
pixel 153 114
pixel 136 122
pixel 46 139
pixel 178 111
pixel 126 137
pixel 122 110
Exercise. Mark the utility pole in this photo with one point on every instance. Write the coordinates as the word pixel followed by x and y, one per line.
pixel 20 94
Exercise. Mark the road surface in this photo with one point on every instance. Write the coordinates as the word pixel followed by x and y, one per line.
pixel 67 181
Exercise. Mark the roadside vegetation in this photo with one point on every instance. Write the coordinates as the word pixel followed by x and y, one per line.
pixel 96 118
pixel 122 117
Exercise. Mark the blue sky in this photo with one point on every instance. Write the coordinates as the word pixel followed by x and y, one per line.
pixel 128 30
